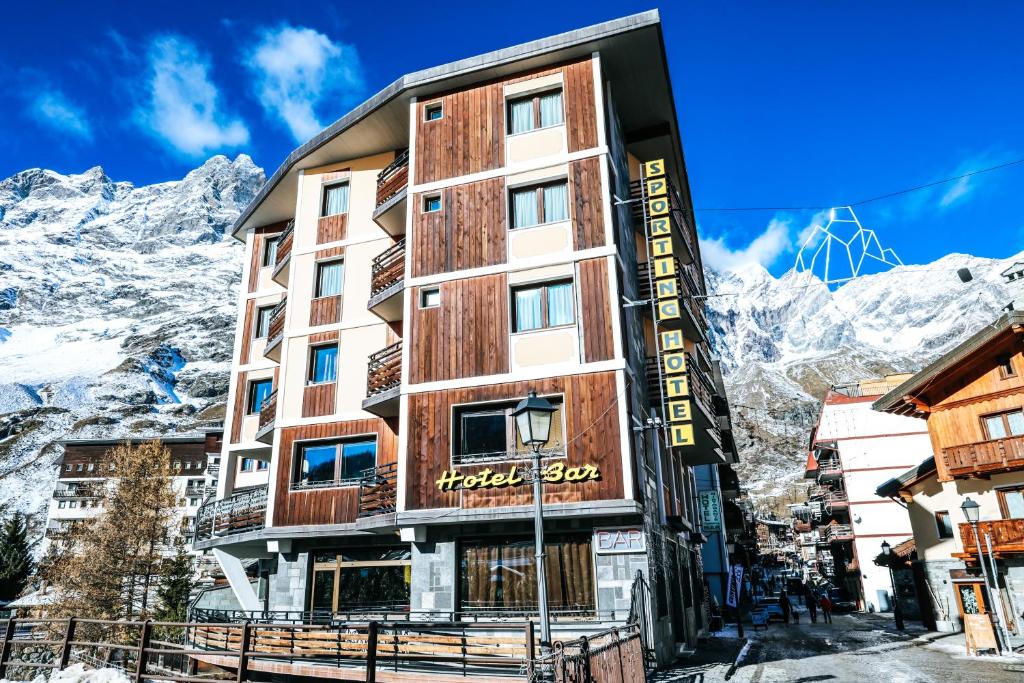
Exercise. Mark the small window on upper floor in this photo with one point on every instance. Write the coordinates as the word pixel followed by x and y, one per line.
pixel 433 111
pixel 177 464
pixel 431 203
pixel 323 364
pixel 91 467
pixel 80 467
pixel 943 524
pixel 539 204
pixel 188 464
pixel 67 468
pixel 430 297
pixel 537 307
pixel 259 390
pixel 270 251
pixel 263 315
pixel 330 278
pixel 246 465
pixel 335 199
pixel 1006 366
pixel 1002 425
pixel 531 112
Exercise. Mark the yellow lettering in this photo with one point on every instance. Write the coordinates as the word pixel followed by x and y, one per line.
pixel 554 473
pixel 681 435
pixel 448 480
pixel 677 386
pixel 664 267
pixel 672 340
pixel 668 309
pixel 660 226
pixel 498 480
pixel 662 246
pixel 654 167
pixel 667 289
pixel 656 187
pixel 674 363
pixel 657 206
pixel 679 411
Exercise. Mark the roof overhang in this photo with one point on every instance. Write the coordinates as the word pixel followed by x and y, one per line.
pixel 891 488
pixel 134 440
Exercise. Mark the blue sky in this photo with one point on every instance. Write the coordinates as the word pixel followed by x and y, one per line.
pixel 781 104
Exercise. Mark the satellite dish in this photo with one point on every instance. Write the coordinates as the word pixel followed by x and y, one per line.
pixel 965 274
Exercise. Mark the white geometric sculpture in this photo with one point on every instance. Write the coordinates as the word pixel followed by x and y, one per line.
pixel 843 259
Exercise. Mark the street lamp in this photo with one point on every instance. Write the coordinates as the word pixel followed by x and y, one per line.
pixel 897 613
pixel 972 513
pixel 533 421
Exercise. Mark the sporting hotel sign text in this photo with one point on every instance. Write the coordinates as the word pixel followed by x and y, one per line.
pixel 668 299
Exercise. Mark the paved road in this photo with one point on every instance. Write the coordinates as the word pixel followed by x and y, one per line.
pixel 857 648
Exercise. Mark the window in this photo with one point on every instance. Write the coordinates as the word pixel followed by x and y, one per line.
pixel 73 504
pixel 270 251
pixel 538 204
pixel 486 431
pixel 354 579
pixel 188 464
pixel 259 390
pixel 67 468
pixel 251 464
pixel 263 315
pixel 335 200
pixel 430 297
pixel 91 467
pixel 540 306
pixel 338 462
pixel 1002 425
pixel 323 364
pixel 433 112
pixel 500 574
pixel 535 111
pixel 177 464
pixel 431 203
pixel 80 467
pixel 944 524
pixel 1006 367
pixel 62 504
pixel 330 278
pixel 193 502
pixel 1011 502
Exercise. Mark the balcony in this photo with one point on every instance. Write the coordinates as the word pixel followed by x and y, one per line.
pixel 383 380
pixel 242 512
pixel 78 493
pixel 707 433
pixel 377 493
pixel 1007 536
pixel 692 319
pixel 683 233
pixel 984 458
pixel 275 331
pixel 284 255
pixel 836 533
pixel 829 467
pixel 387 273
pixel 392 187
pixel 268 412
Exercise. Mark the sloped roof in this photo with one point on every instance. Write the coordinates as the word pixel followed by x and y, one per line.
pixel 893 486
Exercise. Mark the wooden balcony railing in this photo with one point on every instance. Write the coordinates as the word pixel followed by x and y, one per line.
pixel 393 178
pixel 276 328
pixel 284 246
pixel 78 492
pixel 268 411
pixel 985 457
pixel 387 268
pixel 1007 536
pixel 244 511
pixel 384 370
pixel 377 490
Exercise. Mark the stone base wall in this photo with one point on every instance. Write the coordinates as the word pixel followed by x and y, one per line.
pixel 936 573
pixel 289 585
pixel 434 568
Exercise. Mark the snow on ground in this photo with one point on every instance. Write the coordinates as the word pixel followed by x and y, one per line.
pixel 78 673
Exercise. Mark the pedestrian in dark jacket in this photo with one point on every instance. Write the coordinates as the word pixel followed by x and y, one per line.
pixel 812 606
pixel 785 606
pixel 826 608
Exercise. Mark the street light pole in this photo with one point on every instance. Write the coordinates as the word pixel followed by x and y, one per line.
pixel 972 512
pixel 896 611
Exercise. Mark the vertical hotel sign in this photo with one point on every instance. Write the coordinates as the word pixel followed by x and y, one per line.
pixel 671 355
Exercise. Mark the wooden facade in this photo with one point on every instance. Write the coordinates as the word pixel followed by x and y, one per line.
pixel 97 454
pixel 595 312
pixel 586 205
pixel 259 240
pixel 332 228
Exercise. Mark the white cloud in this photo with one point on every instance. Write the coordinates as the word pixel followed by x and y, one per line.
pixel 959 190
pixel 53 109
pixel 298 68
pixel 181 108
pixel 764 250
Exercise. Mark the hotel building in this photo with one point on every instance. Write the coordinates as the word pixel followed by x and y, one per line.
pixel 473 232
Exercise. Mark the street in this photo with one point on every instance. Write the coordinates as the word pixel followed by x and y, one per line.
pixel 856 648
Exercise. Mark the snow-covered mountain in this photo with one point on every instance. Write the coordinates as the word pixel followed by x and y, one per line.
pixel 784 341
pixel 117 310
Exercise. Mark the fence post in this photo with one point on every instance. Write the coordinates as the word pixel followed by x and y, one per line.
pixel 243 652
pixel 530 672
pixel 371 652
pixel 69 635
pixel 140 665
pixel 585 655
pixel 5 651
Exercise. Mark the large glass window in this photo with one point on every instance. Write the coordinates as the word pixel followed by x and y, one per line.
pixel 259 390
pixel 535 111
pixel 263 316
pixel 537 204
pixel 336 462
pixel 487 431
pixel 361 579
pixel 1006 424
pixel 547 305
pixel 501 575
pixel 323 364
pixel 335 199
pixel 330 278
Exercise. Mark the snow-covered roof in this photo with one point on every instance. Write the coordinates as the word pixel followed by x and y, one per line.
pixel 1017 267
pixel 38 598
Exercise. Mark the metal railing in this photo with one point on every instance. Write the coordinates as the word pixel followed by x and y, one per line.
pixel 680 220
pixel 384 369
pixel 284 246
pixel 78 492
pixel 244 511
pixel 685 286
pixel 377 491
pixel 387 268
pixel 268 411
pixel 275 330
pixel 393 179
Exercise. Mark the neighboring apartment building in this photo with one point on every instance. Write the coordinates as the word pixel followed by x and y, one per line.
pixel 85 471
pixel 972 400
pixel 853 450
pixel 473 232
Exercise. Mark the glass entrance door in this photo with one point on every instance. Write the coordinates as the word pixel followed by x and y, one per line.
pixel 361 580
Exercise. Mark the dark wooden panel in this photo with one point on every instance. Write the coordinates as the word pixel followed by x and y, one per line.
pixel 247 331
pixel 333 505
pixel 318 399
pixel 468 232
pixel 98 455
pixel 580 106
pixel 331 228
pixel 329 253
pixel 256 257
pixel 473 311
pixel 587 203
pixel 325 311
pixel 469 138
pixel 592 433
pixel 595 311
pixel 239 409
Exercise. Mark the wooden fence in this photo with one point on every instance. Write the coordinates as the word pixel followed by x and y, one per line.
pixel 614 656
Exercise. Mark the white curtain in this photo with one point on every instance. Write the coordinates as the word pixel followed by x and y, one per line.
pixel 524 208
pixel 331 278
pixel 528 310
pixel 337 200
pixel 522 115
pixel 556 203
pixel 560 304
pixel 551 109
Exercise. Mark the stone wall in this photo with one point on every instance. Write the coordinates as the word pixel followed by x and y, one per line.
pixel 936 573
pixel 290 583
pixel 434 566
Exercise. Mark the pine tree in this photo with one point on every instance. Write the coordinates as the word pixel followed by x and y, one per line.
pixel 176 585
pixel 111 564
pixel 15 557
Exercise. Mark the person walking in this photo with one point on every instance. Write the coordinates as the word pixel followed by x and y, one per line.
pixel 785 605
pixel 826 608
pixel 812 606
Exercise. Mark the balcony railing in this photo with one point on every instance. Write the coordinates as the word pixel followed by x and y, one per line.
pixel 284 248
pixel 384 369
pixel 681 222
pixel 700 385
pixel 1007 536
pixel 985 457
pixel 393 178
pixel 837 532
pixel 244 511
pixel 685 285
pixel 275 330
pixel 377 490
pixel 829 466
pixel 268 411
pixel 387 268
pixel 77 493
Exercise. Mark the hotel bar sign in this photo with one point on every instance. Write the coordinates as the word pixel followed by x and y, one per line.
pixel 671 354
pixel 555 473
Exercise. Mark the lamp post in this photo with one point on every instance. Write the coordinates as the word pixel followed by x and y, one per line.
pixel 896 612
pixel 533 421
pixel 972 513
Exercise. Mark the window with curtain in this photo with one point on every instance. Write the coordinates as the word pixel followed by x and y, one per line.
pixel 335 462
pixel 1003 425
pixel 259 390
pixel 538 204
pixel 323 365
pixel 263 315
pixel 270 251
pixel 330 278
pixel 501 575
pixel 541 306
pixel 335 199
pixel 531 112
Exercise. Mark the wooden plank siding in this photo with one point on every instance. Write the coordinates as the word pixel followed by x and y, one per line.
pixel 325 311
pixel 331 228
pixel 586 203
pixel 589 415
pixel 468 232
pixel 596 316
pixel 319 399
pixel 466 335
pixel 331 505
pixel 238 411
pixel 259 238
pixel 98 455
pixel 247 332
pixel 470 136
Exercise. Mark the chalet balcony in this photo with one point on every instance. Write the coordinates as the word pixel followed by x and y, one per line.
pixel 198 489
pixel 392 188
pixel 387 273
pixel 275 331
pixel 383 380
pixel 377 491
pixel 1007 537
pixel 91 492
pixel 692 319
pixel 268 413
pixel 242 512
pixel 284 255
pixel 684 235
pixel 707 433
pixel 984 458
